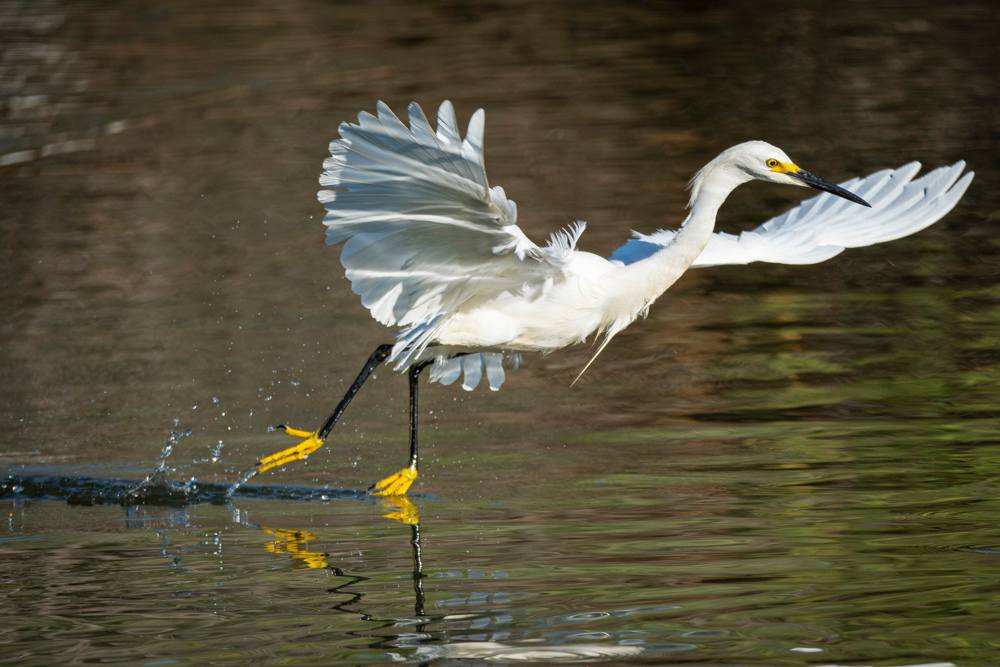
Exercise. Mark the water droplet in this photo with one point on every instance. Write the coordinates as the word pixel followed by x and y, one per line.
pixel 190 486
pixel 217 452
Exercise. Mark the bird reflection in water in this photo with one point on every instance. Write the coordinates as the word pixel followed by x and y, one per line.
pixel 295 544
pixel 419 637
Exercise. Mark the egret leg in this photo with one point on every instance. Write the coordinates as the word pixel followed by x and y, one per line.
pixel 399 483
pixel 313 441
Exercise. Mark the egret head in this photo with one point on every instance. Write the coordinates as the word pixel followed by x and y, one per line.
pixel 761 161
pixel 757 160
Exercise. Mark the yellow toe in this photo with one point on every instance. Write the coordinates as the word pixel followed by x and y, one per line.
pixel 297 452
pixel 297 432
pixel 396 484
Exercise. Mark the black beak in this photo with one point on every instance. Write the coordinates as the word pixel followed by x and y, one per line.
pixel 814 181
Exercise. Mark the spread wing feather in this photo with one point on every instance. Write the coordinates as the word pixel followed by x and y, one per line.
pixel 423 232
pixel 823 226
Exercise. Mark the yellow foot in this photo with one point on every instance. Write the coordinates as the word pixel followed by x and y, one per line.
pixel 309 444
pixel 402 510
pixel 394 485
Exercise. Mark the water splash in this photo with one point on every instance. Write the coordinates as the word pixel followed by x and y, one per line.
pixel 190 487
pixel 158 477
pixel 243 479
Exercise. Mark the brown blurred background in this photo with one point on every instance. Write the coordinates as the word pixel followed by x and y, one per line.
pixel 162 245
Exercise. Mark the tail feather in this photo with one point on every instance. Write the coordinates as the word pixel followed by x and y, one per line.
pixel 609 333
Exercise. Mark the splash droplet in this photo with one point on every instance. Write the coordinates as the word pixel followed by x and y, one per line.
pixel 217 451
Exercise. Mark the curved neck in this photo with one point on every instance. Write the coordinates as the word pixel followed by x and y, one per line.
pixel 644 281
pixel 639 284
pixel 709 189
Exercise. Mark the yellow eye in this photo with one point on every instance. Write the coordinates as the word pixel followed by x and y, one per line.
pixel 772 163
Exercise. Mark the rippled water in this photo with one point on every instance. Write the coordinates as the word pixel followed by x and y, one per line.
pixel 781 466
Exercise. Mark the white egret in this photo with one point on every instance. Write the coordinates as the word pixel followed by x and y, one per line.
pixel 433 250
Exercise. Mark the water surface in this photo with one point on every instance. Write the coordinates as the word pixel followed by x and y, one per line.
pixel 781 465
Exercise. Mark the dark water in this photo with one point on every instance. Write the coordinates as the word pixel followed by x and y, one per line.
pixel 781 466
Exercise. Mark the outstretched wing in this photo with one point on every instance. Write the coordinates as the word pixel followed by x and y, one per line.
pixel 424 233
pixel 822 227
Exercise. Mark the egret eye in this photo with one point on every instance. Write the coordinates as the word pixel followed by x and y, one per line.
pixel 772 163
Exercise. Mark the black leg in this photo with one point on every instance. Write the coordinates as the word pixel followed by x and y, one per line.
pixel 380 354
pixel 414 374
pixel 399 483
pixel 415 371
pixel 313 441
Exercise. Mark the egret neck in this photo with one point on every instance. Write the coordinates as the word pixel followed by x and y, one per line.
pixel 642 282
pixel 651 277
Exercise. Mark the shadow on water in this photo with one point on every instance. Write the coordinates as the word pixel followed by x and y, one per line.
pixel 157 488
pixel 96 491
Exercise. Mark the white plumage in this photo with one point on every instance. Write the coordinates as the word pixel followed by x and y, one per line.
pixel 824 226
pixel 432 249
